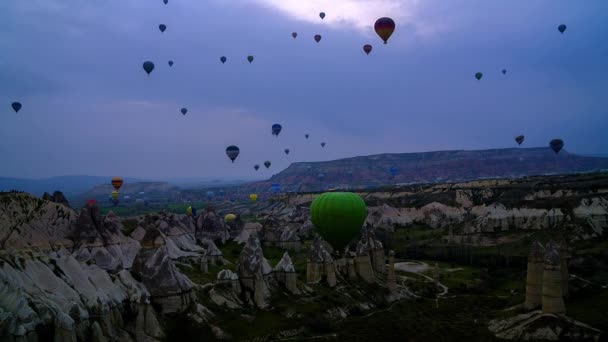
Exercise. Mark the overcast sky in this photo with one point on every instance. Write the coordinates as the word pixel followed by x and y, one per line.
pixel 89 107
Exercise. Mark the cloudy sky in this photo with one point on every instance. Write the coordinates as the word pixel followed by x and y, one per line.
pixel 89 107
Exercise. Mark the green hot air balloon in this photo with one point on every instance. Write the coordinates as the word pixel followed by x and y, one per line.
pixel 478 76
pixel 338 217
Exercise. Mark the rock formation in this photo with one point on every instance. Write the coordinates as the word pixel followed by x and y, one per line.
pixel 320 264
pixel 285 274
pixel 210 225
pixel 169 288
pixel 253 270
pixel 534 278
pixel 553 301
pixel 56 197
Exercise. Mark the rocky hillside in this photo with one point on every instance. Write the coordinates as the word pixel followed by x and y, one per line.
pixel 427 167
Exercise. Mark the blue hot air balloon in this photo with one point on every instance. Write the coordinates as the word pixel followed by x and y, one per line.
pixel 275 187
pixel 393 171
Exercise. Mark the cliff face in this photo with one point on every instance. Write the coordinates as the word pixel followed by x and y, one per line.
pixel 426 167
pixel 76 276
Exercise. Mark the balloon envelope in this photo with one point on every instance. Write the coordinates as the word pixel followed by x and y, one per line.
pixel 162 27
pixel 275 187
pixel 384 28
pixel 286 151
pixel 519 139
pixel 367 48
pixel 562 28
pixel 253 197
pixel 117 183
pixel 338 217
pixel 276 129
pixel 229 217
pixel 170 63
pixel 322 144
pixel 223 59
pixel 114 194
pixel 306 136
pixel 189 211
pixel 232 152
pixel 256 167
pixel 318 38
pixel 322 15
pixel 148 67
pixel 184 111
pixel 16 106
pixel 294 34
pixel 504 71
pixel 250 59
pixel 556 145
pixel 478 75
pixel 165 1
pixel 267 164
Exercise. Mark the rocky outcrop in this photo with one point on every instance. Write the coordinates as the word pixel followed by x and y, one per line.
pixel 536 326
pixel 56 197
pixel 168 288
pixel 285 273
pixel 100 240
pixel 320 265
pixel 210 226
pixel 253 270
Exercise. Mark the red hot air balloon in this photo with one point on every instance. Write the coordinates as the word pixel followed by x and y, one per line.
pixel 367 48
pixel 384 28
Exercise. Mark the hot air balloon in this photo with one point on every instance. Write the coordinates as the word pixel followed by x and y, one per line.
pixel 223 59
pixel 253 197
pixel 267 164
pixel 317 38
pixel 321 176
pixel 170 63
pixel 184 111
pixel 117 183
pixel 322 144
pixel 478 75
pixel 148 67
pixel 384 28
pixel 91 202
pixel 162 27
pixel 519 139
pixel 322 15
pixel 250 59
pixel 286 151
pixel 210 194
pixel 556 145
pixel 504 71
pixel 232 152
pixel 275 187
pixel 189 211
pixel 367 48
pixel 561 28
pixel 256 167
pixel 393 171
pixel 294 34
pixel 165 1
pixel 230 217
pixel 338 217
pixel 306 136
pixel 276 129
pixel 16 106
pixel 114 194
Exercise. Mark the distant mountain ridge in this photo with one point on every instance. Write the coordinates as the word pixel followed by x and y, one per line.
pixel 69 185
pixel 428 167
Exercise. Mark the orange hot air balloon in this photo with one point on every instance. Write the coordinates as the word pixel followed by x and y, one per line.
pixel 117 183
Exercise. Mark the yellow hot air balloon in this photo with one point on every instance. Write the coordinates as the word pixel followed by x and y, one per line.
pixel 253 197
pixel 114 194
pixel 229 217
pixel 189 211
